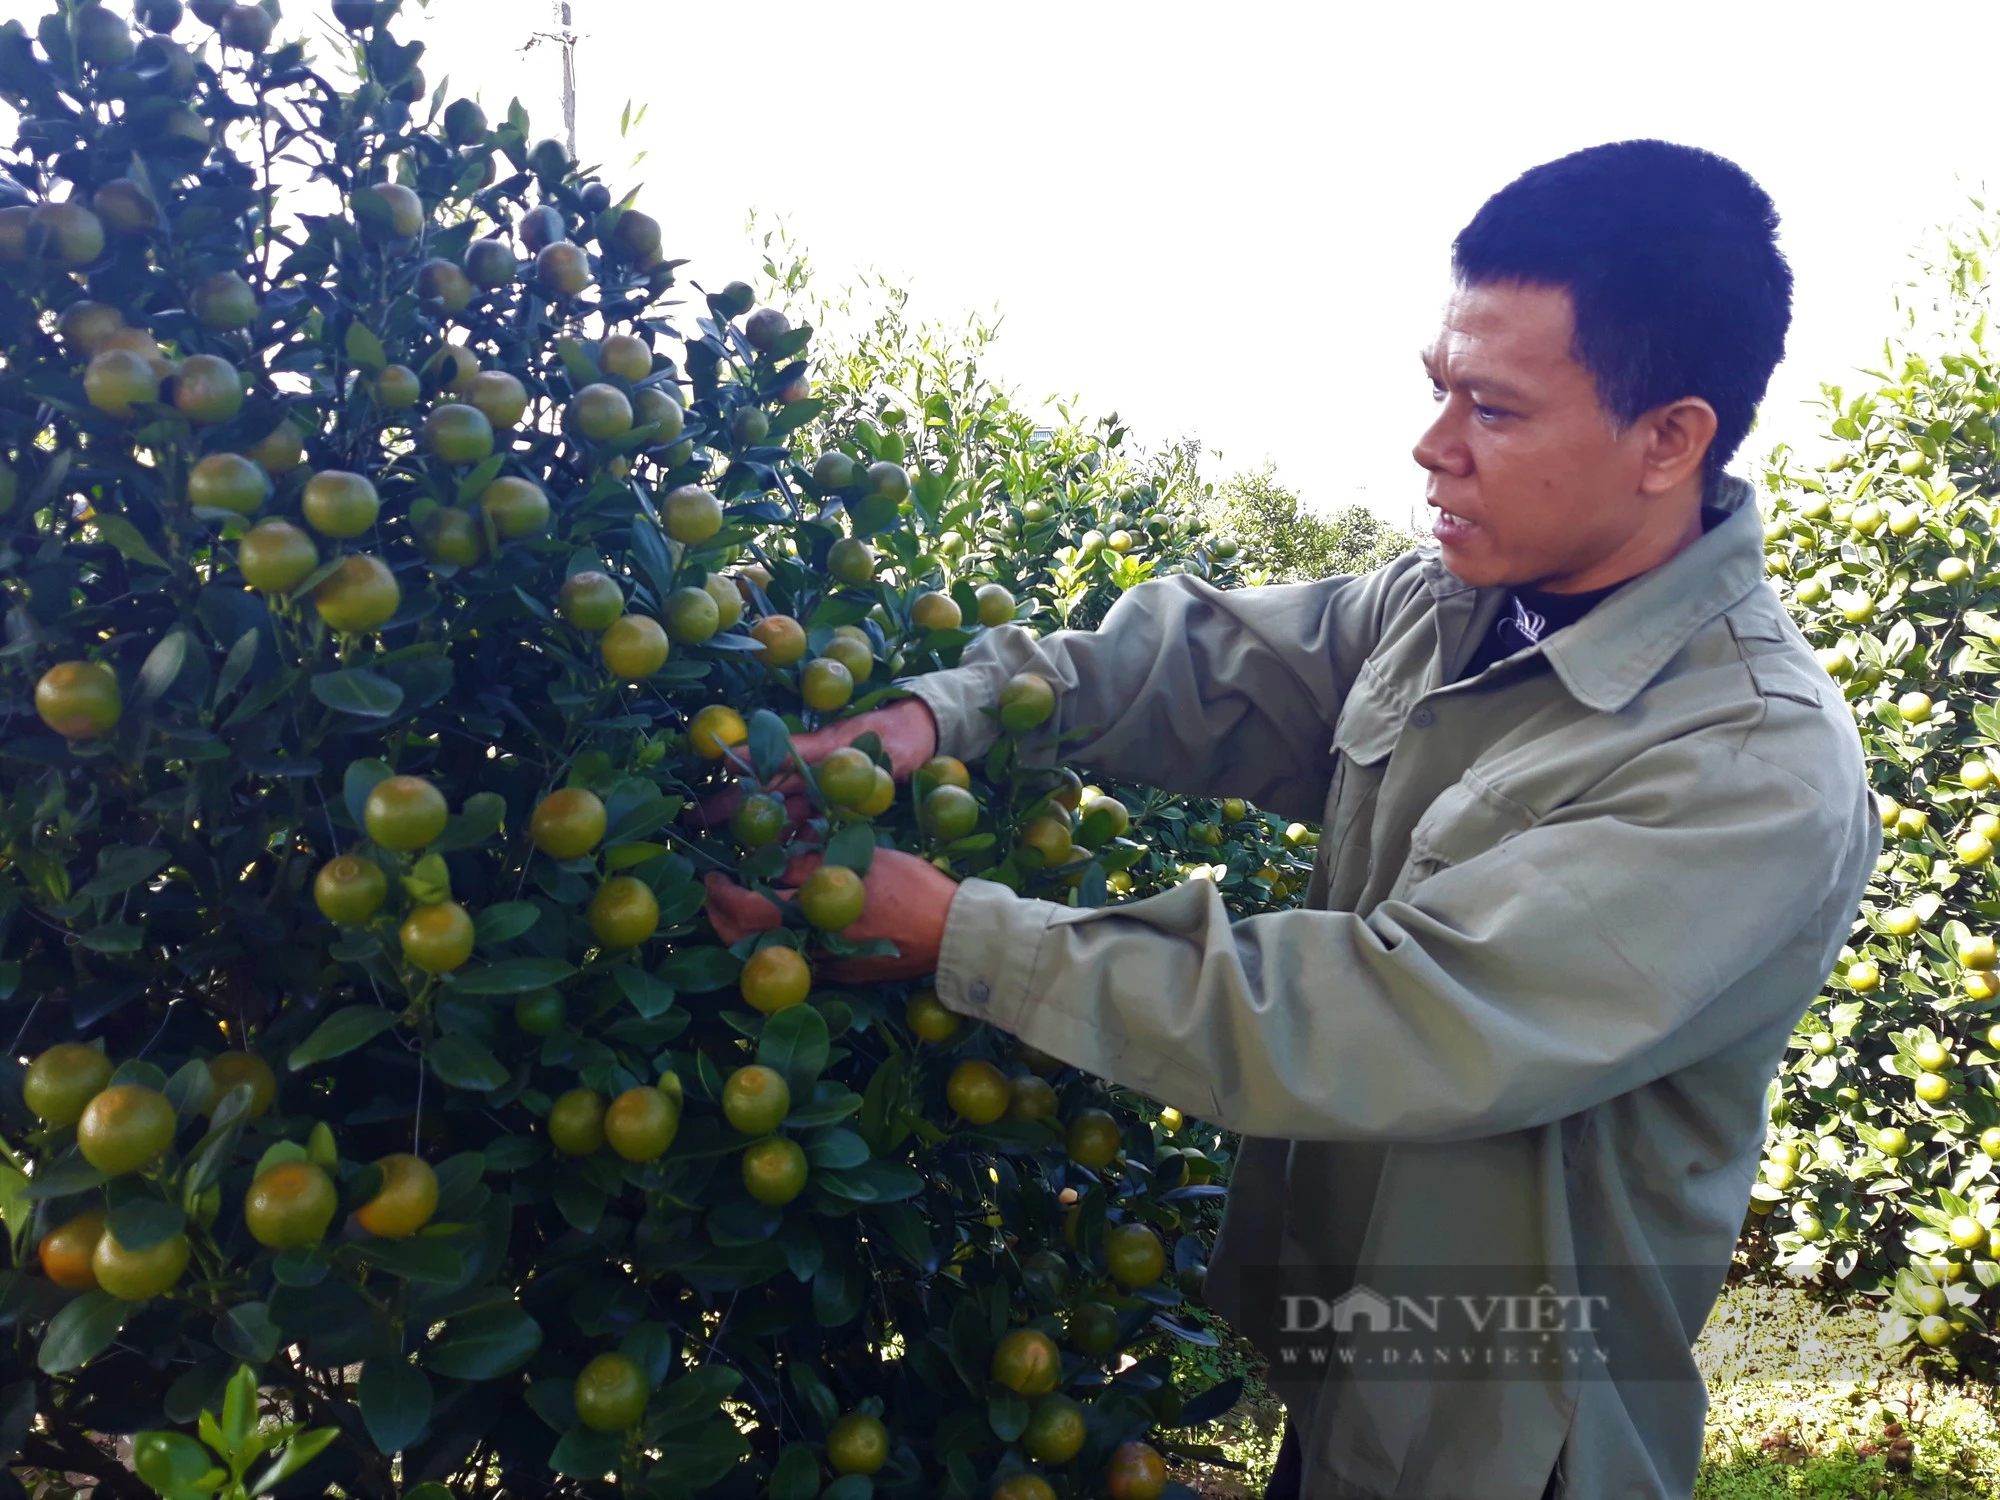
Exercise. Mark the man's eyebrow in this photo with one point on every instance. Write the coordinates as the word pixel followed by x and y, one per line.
pixel 1486 384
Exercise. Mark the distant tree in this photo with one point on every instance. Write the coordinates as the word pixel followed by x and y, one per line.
pixel 1291 544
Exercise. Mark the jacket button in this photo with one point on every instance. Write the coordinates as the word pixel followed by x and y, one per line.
pixel 979 994
pixel 1423 718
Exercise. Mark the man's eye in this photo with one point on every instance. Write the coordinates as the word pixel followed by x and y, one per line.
pixel 1488 413
pixel 1437 391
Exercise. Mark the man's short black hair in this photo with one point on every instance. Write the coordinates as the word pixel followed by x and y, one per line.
pixel 1671 260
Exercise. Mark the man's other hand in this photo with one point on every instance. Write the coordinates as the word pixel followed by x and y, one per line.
pixel 907 902
pixel 909 738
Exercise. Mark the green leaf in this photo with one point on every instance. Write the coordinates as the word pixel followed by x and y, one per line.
pixel 141 1223
pixel 1210 1405
pixel 428 881
pixel 362 777
pixel 805 1253
pixel 579 1201
pixel 576 362
pixel 637 822
pixel 705 1456
pixel 680 900
pixel 163 665
pixel 170 1462
pixel 837 1148
pixel 837 1292
pixel 120 867
pixel 277 1154
pixel 340 1033
pixel 795 415
pixel 650 996
pixel 834 611
pixel 216 1151
pixel 795 1476
pixel 1986 717
pixel 505 922
pixel 486 1344
pixel 114 937
pixel 584 1454
pixel 395 1399
pixel 138 1070
pixel 873 514
pixel 466 1064
pixel 425 1258
pixel 511 976
pixel 795 1042
pixel 475 484
pixel 872 1182
pixel 885 1103
pixel 693 1397
pixel 830 1103
pixel 1007 1415
pixel 299 1452
pixel 743 1223
pixel 14 1211
pixel 853 846
pixel 510 1153
pixel 246 1332
pixel 127 539
pixel 651 1347
pixel 910 1233
pixel 82 1331
pixel 697 971
pixel 366 350
pixel 770 744
pixel 357 691
pixel 474 824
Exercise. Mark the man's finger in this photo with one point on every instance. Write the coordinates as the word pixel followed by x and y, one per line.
pixel 870 970
pixel 800 866
pixel 815 745
pixel 715 810
pixel 736 911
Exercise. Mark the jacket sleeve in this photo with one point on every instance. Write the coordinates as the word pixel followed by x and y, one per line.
pixel 1573 962
pixel 1188 687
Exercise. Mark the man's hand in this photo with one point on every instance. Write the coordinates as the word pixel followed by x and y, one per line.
pixel 908 732
pixel 909 737
pixel 908 900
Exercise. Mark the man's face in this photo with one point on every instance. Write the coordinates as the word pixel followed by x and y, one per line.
pixel 1530 482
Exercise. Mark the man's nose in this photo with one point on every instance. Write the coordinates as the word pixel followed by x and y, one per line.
pixel 1438 451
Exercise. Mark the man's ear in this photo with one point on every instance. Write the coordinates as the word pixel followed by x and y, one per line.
pixel 1677 438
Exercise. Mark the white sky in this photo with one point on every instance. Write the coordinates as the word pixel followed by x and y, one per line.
pixel 1233 221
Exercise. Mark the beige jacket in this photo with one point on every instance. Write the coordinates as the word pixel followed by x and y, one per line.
pixel 1565 916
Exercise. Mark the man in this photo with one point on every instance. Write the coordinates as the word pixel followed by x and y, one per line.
pixel 1595 826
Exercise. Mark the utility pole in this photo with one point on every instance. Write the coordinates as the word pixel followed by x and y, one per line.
pixel 563 19
pixel 564 36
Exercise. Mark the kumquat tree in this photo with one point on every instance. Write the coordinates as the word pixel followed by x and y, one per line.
pixel 396 549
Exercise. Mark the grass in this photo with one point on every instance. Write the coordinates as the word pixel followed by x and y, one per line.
pixel 1802 1406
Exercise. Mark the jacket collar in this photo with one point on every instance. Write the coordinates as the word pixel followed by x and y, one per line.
pixel 1605 658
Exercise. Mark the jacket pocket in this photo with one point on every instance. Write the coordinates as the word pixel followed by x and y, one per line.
pixel 1466 819
pixel 1371 721
pixel 1371 718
